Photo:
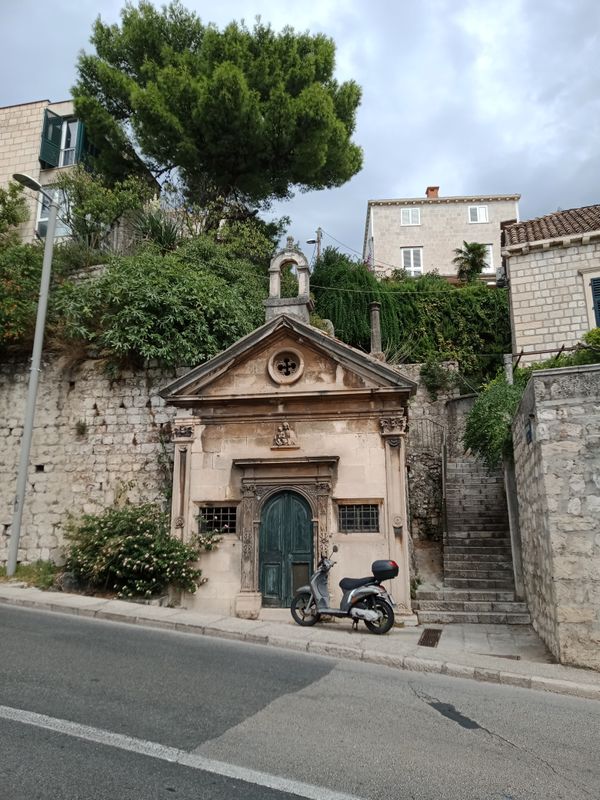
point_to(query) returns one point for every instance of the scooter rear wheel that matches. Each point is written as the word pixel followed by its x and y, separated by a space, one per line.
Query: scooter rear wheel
pixel 304 609
pixel 386 616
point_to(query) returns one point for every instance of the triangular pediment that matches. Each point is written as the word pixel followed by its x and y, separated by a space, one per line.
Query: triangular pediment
pixel 285 357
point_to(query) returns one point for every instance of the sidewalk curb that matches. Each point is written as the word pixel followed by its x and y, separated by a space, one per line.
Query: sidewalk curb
pixel 409 663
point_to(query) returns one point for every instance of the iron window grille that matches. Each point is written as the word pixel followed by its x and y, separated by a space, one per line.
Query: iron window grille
pixel 358 518
pixel 217 518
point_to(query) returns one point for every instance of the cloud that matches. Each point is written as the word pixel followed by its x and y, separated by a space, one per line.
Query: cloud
pixel 478 97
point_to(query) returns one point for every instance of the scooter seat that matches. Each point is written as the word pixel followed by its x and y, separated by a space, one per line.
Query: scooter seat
pixel 353 583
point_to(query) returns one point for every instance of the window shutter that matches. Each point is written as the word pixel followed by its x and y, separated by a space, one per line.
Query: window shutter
pixel 51 134
pixel 80 143
pixel 595 283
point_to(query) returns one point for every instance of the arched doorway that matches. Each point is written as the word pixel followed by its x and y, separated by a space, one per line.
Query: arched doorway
pixel 285 547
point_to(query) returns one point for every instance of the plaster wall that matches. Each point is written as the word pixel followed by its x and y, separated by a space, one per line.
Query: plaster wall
pixel 361 475
pixel 444 226
pixel 550 297
pixel 556 435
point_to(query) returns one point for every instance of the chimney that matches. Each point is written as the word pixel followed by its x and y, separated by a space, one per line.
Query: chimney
pixel 375 309
pixel 432 192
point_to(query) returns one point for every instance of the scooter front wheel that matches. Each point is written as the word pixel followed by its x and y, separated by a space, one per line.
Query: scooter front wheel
pixel 304 609
pixel 386 616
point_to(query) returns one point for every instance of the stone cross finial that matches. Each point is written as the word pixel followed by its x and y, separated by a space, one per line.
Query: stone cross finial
pixel 290 243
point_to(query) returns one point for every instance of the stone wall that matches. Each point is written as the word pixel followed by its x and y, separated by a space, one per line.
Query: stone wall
pixel 21 127
pixel 428 423
pixel 95 441
pixel 550 296
pixel 556 435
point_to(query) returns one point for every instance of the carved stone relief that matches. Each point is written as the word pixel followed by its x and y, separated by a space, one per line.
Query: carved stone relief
pixel 285 437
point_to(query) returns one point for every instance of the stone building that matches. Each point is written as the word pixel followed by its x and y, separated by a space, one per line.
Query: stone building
pixel 39 139
pixel 556 435
pixel 420 234
pixel 553 269
pixel 289 442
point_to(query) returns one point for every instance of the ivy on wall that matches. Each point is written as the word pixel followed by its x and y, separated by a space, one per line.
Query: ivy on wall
pixel 423 319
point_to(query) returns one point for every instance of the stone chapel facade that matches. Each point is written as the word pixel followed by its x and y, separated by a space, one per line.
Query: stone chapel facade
pixel 289 442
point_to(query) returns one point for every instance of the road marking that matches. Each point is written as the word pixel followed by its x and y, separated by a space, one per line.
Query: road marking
pixel 171 754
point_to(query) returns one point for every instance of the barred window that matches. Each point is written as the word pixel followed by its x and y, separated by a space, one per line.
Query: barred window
pixel 358 518
pixel 217 518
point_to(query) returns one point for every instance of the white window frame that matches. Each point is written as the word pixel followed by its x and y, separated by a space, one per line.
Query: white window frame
pixel 64 161
pixel 43 213
pixel 412 270
pixel 410 216
pixel 489 269
pixel 481 214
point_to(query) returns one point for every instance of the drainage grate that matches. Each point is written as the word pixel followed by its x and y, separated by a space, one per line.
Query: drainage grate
pixel 430 637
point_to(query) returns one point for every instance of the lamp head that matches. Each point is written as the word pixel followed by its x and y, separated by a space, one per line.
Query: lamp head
pixel 28 181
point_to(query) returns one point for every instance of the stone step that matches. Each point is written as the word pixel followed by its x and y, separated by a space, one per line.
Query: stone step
pixel 477 536
pixel 475 550
pixel 475 569
pixel 491 596
pixel 479 583
pixel 470 606
pixel 479 558
pixel 478 574
pixel 482 618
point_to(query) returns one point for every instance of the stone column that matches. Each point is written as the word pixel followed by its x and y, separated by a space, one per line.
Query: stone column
pixel 249 601
pixel 393 431
pixel 183 436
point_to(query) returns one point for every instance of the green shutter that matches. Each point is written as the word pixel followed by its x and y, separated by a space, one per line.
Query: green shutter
pixel 51 135
pixel 596 298
pixel 80 144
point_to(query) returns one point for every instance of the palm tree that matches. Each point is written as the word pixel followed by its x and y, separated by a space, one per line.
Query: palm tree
pixel 470 260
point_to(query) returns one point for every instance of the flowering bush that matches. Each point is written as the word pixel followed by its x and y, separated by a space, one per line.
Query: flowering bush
pixel 130 550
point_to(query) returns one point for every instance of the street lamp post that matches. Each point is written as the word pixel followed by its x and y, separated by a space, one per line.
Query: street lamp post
pixel 34 374
pixel 316 241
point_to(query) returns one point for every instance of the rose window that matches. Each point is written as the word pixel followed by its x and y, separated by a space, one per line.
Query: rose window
pixel 286 366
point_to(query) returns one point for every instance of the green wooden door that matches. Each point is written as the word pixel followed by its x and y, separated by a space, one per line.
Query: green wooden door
pixel 285 548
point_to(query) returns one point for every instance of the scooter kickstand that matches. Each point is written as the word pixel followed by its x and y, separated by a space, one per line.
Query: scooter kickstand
pixel 355 624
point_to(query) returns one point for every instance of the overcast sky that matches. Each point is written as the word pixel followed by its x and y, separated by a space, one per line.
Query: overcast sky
pixel 492 96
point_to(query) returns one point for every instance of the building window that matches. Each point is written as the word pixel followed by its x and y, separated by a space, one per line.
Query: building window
pixel 62 229
pixel 62 141
pixel 412 260
pixel 358 518
pixel 217 518
pixel 478 214
pixel 489 258
pixel 410 216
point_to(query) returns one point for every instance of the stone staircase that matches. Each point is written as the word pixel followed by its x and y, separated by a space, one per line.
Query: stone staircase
pixel 478 571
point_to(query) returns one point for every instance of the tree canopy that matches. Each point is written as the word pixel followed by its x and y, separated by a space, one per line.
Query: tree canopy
pixel 242 116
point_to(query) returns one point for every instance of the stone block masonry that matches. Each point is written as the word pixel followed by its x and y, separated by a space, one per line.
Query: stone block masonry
pixel 556 436
pixel 95 441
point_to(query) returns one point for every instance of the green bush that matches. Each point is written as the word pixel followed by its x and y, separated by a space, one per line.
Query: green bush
pixel 488 429
pixel 179 308
pixel 129 550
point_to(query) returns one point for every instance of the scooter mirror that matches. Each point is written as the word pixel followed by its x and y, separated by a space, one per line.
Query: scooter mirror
pixel 335 548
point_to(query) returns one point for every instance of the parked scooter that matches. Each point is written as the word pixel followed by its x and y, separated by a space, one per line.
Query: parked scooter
pixel 364 598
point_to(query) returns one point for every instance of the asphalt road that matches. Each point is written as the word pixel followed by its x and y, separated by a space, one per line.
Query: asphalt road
pixel 92 709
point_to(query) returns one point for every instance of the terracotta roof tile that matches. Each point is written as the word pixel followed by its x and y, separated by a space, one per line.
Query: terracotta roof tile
pixel 557 225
